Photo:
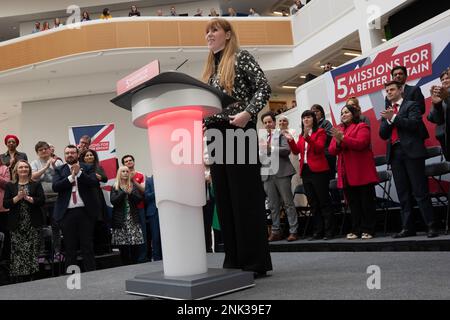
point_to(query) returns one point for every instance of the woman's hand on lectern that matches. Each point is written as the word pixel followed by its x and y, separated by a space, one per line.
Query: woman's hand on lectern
pixel 241 119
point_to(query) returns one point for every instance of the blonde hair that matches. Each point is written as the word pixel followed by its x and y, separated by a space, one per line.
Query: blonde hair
pixel 225 72
pixel 15 175
pixel 118 179
pixel 355 101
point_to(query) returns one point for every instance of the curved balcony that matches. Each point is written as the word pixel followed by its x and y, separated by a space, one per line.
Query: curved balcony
pixel 120 33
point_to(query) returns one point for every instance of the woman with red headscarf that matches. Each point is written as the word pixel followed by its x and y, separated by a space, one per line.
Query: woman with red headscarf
pixel 10 157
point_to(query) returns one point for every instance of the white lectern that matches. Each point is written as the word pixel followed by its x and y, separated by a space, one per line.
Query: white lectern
pixel 171 106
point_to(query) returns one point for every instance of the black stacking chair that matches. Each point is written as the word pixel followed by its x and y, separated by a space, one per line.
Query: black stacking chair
pixel 304 211
pixel 385 184
pixel 436 171
pixel 338 202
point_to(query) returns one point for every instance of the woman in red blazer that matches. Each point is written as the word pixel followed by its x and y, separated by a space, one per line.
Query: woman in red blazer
pixel 356 171
pixel 314 171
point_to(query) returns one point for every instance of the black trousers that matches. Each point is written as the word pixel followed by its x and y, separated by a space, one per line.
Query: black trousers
pixel 5 254
pixel 240 200
pixel 317 187
pixel 78 228
pixel 361 200
pixel 208 213
pixel 410 181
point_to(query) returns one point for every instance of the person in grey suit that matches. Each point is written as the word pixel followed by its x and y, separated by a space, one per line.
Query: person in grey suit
pixel 406 153
pixel 440 111
pixel 276 174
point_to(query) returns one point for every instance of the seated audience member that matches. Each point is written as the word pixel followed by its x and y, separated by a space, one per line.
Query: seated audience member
pixel 253 13
pixel 199 13
pixel 159 13
pixel 297 6
pixel 57 23
pixel 213 13
pixel 43 171
pixel 127 233
pixel 10 157
pixel 357 174
pixel 314 171
pixel 37 27
pixel 4 179
pixel 134 12
pixel 24 198
pixel 102 238
pixel 105 14
pixel 153 220
pixel 327 67
pixel 440 112
pixel 353 101
pixel 45 26
pixel 85 16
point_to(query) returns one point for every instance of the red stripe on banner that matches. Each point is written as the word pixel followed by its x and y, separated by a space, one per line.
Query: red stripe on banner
pixel 110 167
pixel 103 134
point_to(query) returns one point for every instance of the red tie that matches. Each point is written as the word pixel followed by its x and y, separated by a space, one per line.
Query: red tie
pixel 394 135
pixel 74 193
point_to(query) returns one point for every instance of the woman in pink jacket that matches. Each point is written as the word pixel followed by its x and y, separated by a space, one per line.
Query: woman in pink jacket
pixel 357 174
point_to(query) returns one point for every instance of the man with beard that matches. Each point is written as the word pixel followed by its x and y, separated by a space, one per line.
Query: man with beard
pixel 76 207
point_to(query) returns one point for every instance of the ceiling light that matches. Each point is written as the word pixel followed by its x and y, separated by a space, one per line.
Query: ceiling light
pixel 384 40
pixel 302 77
pixel 289 87
pixel 352 54
pixel 278 13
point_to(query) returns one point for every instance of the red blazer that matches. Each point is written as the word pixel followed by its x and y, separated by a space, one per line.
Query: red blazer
pixel 317 161
pixel 356 166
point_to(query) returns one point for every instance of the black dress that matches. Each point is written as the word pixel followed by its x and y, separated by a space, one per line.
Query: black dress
pixel 240 196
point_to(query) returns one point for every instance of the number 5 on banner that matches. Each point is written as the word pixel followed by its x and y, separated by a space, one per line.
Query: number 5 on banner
pixel 342 87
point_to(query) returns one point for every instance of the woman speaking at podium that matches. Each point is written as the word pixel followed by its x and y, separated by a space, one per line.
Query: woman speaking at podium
pixel 239 192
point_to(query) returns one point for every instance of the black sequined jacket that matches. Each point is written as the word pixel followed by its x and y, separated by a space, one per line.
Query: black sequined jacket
pixel 251 88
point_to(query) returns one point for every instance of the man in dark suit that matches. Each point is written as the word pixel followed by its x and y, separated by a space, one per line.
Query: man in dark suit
pixel 409 93
pixel 406 153
pixel 76 207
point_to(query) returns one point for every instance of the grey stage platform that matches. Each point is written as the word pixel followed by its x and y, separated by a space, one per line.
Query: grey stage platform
pixel 296 275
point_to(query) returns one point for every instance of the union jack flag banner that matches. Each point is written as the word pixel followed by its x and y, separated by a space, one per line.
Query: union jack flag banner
pixel 103 142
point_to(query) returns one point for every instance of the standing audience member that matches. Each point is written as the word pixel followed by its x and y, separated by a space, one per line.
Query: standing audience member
pixel 314 171
pixel 10 157
pixel 199 13
pixel 105 14
pixel 173 11
pixel 327 126
pixel 153 219
pixel 127 232
pixel 409 93
pixel 239 190
pixel 52 152
pixel 327 67
pixel 76 208
pixel 24 198
pixel 357 174
pixel 232 12
pixel 440 112
pixel 4 179
pixel 138 180
pixel 84 143
pixel 134 12
pixel 102 238
pixel 353 101
pixel 400 127
pixel 37 27
pixel 43 171
pixel 277 178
